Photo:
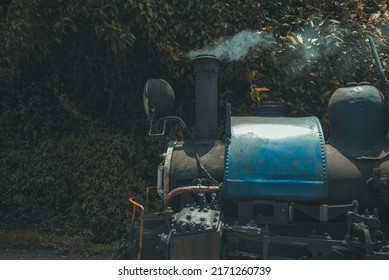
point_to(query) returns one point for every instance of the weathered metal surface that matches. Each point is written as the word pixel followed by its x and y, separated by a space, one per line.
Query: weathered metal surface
pixel 271 109
pixel 205 245
pixel 158 98
pixel 196 219
pixel 265 212
pixel 206 71
pixel 348 179
pixel 184 166
pixel 259 243
pixel 276 158
pixel 357 120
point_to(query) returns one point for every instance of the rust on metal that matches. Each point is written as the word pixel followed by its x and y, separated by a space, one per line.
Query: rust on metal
pixel 189 189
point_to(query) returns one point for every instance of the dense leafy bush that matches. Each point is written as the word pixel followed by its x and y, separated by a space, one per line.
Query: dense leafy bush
pixel 65 174
pixel 103 51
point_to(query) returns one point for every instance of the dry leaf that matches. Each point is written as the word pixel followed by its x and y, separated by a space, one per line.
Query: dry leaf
pixel 293 40
pixel 262 89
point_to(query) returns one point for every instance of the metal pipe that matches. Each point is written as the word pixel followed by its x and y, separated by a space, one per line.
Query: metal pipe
pixel 383 78
pixel 206 70
pixel 189 189
pixel 148 190
pixel 142 211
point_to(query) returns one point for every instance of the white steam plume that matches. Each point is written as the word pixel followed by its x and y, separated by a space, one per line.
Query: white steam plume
pixel 236 47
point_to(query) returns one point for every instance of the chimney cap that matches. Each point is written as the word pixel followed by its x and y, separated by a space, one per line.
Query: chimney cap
pixel 206 63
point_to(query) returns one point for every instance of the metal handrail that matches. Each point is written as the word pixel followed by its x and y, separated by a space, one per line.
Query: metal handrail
pixel 142 211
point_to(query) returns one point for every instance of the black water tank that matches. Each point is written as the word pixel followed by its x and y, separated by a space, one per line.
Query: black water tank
pixel 357 118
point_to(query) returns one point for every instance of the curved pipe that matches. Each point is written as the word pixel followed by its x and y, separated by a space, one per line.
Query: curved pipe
pixel 189 189
pixel 142 211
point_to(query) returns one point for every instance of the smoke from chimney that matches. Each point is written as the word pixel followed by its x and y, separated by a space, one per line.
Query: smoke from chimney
pixel 317 39
pixel 236 47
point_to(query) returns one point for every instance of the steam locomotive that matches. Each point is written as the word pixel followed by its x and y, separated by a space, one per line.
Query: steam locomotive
pixel 274 188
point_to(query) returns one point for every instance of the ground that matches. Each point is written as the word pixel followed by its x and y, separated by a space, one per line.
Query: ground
pixel 26 245
pixel 37 254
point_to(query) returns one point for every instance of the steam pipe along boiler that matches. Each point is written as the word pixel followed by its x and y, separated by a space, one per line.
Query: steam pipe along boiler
pixel 273 189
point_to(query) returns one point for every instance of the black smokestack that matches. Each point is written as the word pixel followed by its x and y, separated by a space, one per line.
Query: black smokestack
pixel 206 70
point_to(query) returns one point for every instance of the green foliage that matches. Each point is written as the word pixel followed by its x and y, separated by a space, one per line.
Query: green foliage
pixel 68 175
pixel 318 48
pixel 103 51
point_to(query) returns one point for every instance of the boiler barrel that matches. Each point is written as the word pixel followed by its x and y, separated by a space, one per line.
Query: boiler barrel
pixel 183 167
pixel 347 179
